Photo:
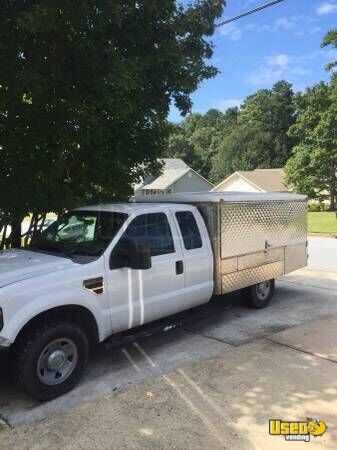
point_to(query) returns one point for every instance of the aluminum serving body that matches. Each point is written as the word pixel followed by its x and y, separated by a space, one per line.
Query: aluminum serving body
pixel 254 241
pixel 260 241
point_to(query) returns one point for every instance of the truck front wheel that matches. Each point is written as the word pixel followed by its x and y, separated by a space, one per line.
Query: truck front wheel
pixel 50 359
pixel 259 295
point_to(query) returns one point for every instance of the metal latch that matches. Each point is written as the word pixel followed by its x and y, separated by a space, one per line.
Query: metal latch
pixel 267 246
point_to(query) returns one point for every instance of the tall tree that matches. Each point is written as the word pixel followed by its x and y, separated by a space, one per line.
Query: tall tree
pixel 312 169
pixel 85 89
pixel 198 138
pixel 330 39
pixel 259 139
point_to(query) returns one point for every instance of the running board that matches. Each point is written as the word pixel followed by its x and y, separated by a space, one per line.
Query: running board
pixel 138 333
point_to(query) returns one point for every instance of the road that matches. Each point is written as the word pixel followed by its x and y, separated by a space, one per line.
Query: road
pixel 322 254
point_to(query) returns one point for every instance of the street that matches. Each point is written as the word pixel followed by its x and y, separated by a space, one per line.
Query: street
pixel 322 254
pixel 223 327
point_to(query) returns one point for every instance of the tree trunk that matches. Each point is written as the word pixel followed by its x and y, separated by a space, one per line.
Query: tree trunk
pixel 15 237
pixel 4 238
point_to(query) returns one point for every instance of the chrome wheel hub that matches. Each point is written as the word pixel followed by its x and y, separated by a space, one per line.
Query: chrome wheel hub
pixel 263 290
pixel 57 361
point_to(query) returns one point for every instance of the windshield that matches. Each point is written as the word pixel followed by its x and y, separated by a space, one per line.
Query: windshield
pixel 85 233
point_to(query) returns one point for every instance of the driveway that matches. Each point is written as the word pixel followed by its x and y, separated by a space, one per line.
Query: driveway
pixel 215 329
pixel 206 332
pixel 224 402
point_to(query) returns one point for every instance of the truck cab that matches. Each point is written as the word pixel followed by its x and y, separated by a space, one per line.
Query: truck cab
pixel 98 271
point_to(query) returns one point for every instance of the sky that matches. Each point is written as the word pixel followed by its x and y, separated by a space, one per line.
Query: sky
pixel 280 42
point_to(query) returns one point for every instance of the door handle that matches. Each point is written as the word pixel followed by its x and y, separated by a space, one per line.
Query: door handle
pixel 179 267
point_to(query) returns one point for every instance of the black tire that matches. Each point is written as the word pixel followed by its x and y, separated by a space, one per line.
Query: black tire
pixel 32 348
pixel 256 299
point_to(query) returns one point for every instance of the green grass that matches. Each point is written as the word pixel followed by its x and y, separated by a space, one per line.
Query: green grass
pixel 322 222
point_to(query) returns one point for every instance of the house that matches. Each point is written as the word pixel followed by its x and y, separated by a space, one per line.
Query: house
pixel 258 180
pixel 176 176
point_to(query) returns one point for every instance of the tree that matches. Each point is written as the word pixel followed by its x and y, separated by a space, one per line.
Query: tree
pixel 257 137
pixel 312 169
pixel 272 111
pixel 85 89
pixel 330 39
pixel 245 148
pixel 197 138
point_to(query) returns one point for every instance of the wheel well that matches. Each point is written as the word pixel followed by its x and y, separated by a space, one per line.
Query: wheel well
pixel 73 313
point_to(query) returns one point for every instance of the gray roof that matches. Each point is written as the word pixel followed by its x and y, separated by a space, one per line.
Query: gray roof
pixel 172 171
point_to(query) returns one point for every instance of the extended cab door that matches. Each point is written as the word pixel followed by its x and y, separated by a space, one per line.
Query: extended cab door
pixel 140 296
pixel 197 256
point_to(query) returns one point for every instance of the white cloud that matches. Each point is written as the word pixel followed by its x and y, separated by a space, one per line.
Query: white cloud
pixel 228 103
pixel 300 71
pixel 329 53
pixel 265 76
pixel 280 60
pixel 315 30
pixel 326 8
pixel 277 67
pixel 293 23
pixel 271 72
pixel 231 31
pixel 284 23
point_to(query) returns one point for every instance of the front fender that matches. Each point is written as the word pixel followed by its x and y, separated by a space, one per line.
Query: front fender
pixel 25 300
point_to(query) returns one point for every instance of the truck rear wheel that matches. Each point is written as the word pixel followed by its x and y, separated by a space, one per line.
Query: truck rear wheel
pixel 50 360
pixel 259 295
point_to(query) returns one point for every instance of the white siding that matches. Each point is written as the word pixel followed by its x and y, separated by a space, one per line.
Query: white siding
pixel 238 184
pixel 191 182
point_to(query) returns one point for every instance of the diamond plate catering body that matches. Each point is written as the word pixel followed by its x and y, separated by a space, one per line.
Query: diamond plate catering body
pixel 255 237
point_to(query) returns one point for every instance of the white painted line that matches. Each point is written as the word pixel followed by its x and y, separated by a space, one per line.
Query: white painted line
pixel 130 359
pixel 198 389
pixel 146 356
pixel 208 424
pixel 130 298
pixel 141 296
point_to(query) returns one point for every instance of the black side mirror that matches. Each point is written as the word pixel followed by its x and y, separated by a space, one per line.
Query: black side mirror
pixel 131 253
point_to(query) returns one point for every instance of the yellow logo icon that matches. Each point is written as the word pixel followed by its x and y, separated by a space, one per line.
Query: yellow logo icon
pixel 317 427
pixel 297 430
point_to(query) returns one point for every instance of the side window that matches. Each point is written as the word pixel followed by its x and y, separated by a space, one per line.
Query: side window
pixel 189 230
pixel 154 230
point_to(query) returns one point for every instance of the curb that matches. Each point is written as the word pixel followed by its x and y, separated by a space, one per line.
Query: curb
pixel 327 235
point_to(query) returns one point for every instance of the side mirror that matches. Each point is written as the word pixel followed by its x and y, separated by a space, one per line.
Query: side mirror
pixel 131 253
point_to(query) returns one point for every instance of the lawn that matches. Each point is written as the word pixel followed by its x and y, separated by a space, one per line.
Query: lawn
pixel 322 222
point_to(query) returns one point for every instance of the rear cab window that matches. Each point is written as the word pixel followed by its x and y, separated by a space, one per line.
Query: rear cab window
pixel 189 230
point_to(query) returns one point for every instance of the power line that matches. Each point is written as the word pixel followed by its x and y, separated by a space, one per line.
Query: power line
pixel 247 13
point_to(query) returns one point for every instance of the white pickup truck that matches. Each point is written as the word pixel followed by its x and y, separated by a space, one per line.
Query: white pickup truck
pixel 105 270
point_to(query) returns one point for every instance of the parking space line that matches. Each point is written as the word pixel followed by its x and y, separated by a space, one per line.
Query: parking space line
pixel 208 424
pixel 205 397
pixel 130 359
